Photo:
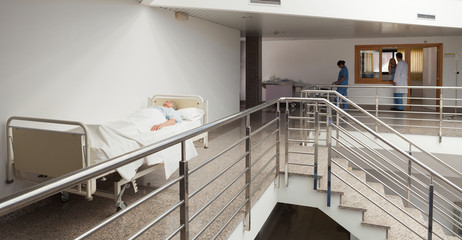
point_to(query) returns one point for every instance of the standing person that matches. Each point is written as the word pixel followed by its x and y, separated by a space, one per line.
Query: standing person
pixel 400 79
pixel 391 68
pixel 342 80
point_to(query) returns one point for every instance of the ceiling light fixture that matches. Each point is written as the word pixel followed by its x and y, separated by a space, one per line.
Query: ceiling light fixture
pixel 181 16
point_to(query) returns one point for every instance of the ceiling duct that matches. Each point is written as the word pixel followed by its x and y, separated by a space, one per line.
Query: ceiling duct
pixel 272 2
pixel 426 16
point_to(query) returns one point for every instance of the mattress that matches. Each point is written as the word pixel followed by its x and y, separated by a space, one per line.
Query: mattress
pixel 118 137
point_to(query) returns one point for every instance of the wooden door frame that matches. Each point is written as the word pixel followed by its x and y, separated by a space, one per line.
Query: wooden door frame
pixel 439 67
pixel 407 54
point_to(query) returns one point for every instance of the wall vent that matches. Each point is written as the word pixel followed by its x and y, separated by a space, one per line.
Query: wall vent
pixel 426 16
pixel 272 2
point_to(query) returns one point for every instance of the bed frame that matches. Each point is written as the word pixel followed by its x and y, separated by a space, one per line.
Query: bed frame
pixel 35 151
pixel 185 101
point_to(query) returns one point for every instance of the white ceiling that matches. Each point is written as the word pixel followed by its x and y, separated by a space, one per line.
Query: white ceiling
pixel 294 27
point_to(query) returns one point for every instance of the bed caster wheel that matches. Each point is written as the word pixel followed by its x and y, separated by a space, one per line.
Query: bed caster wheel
pixel 65 196
pixel 120 206
pixel 9 181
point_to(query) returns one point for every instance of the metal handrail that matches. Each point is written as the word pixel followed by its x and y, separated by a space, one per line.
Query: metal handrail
pixel 45 189
pixel 405 154
pixel 442 98
pixel 381 138
pixel 48 188
pixel 331 123
pixel 318 86
pixel 388 128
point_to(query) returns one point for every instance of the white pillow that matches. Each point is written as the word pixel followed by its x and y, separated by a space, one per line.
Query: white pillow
pixel 144 119
pixel 191 114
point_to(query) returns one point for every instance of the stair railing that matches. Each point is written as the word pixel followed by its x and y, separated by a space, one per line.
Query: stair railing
pixel 438 111
pixel 328 132
pixel 396 175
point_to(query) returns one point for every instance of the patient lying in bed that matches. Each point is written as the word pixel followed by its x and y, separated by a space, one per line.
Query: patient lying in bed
pixel 141 129
pixel 168 110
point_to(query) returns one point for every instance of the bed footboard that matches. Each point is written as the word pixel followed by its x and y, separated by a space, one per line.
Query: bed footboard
pixel 33 149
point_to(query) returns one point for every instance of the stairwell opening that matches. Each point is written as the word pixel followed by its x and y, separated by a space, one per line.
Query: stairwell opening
pixel 293 222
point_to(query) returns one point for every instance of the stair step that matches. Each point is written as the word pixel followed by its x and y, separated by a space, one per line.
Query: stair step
pixel 376 225
pixel 342 162
pixel 453 238
pixel 438 230
pixel 359 174
pixel 332 192
pixel 415 213
pixel 353 208
pixel 397 200
pixel 373 215
pixel 377 186
pixel 300 174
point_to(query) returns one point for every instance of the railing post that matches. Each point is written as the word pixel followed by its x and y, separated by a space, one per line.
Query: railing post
pixel 329 153
pixel 248 174
pixel 9 171
pixel 337 132
pixel 440 134
pixel 409 179
pixel 184 194
pixel 278 147
pixel 316 146
pixel 430 210
pixel 376 108
pixel 302 122
pixel 286 156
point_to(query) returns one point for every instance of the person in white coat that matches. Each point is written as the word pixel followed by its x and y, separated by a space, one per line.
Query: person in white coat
pixel 400 79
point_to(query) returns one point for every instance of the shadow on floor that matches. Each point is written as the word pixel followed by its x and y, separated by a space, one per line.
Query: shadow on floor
pixel 298 222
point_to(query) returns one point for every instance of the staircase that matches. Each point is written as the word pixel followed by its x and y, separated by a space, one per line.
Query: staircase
pixel 381 216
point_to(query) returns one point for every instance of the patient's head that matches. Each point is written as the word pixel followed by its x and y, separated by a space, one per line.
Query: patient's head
pixel 170 104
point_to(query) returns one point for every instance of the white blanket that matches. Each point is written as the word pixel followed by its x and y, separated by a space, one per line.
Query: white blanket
pixel 116 138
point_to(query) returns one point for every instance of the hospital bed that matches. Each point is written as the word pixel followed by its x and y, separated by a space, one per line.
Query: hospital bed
pixel 39 149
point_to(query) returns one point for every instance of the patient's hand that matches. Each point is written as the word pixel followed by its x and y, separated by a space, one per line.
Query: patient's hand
pixel 156 127
pixel 169 122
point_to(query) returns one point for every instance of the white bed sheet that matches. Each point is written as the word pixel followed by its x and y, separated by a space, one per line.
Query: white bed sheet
pixel 115 138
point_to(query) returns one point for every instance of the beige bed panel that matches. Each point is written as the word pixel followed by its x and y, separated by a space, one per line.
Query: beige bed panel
pixel 185 101
pixel 180 101
pixel 45 152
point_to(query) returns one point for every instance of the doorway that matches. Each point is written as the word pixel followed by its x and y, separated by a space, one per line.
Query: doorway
pixel 425 69
pixel 423 72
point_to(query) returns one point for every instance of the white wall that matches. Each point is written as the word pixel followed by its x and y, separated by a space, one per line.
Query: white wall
pixel 99 60
pixel 315 61
pixel 447 12
pixel 429 74
pixel 243 73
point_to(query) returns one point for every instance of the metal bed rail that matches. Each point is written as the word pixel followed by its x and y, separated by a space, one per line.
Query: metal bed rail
pixel 398 171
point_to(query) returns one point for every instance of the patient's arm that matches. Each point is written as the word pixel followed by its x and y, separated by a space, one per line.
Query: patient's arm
pixel 169 122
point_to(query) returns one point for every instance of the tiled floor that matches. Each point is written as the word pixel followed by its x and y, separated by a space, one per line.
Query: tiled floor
pixel 51 219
